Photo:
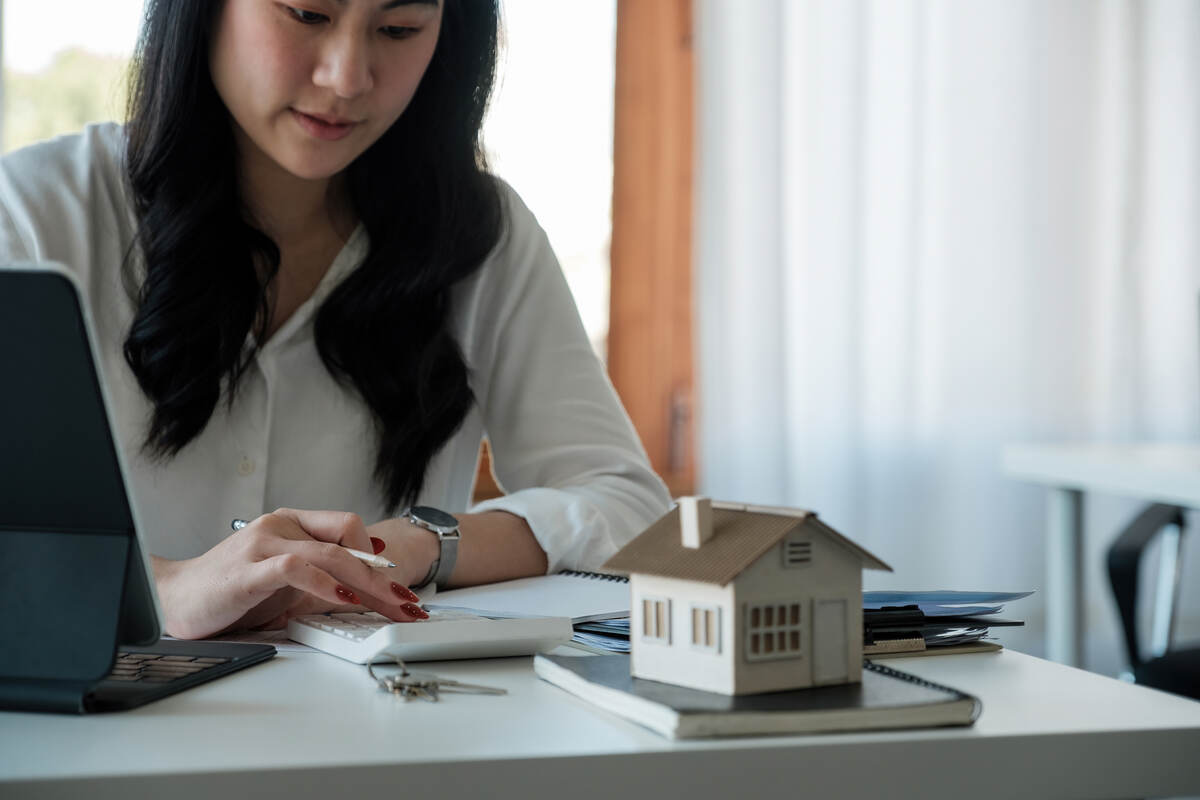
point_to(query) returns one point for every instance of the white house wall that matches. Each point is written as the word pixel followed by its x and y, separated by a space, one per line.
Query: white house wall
pixel 680 662
pixel 833 573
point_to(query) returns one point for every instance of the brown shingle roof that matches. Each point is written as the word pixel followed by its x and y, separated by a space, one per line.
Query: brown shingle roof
pixel 740 537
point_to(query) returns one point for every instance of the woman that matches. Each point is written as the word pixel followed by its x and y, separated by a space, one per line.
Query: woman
pixel 309 292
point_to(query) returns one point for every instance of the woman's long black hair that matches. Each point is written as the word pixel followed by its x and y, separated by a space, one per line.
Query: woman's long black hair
pixel 430 209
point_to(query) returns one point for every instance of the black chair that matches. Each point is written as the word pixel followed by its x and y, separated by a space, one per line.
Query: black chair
pixel 1172 670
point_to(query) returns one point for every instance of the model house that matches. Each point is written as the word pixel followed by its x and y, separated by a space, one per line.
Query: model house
pixel 742 599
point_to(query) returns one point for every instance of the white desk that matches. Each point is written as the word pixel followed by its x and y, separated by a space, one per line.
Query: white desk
pixel 1161 473
pixel 309 726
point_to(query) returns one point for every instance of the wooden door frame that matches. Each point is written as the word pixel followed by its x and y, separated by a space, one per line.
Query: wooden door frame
pixel 649 350
pixel 650 329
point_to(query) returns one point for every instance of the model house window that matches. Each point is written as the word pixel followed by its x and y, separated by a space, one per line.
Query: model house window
pixel 797 552
pixel 774 631
pixel 656 619
pixel 706 628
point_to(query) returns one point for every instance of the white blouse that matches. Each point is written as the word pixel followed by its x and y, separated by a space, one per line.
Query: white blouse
pixel 563 448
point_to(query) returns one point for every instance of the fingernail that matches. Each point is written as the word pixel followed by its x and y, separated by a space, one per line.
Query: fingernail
pixel 405 594
pixel 414 610
pixel 347 595
pixel 377 545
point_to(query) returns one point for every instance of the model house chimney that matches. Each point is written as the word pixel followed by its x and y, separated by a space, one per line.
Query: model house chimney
pixel 695 521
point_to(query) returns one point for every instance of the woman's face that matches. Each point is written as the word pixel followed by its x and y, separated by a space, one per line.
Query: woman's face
pixel 312 84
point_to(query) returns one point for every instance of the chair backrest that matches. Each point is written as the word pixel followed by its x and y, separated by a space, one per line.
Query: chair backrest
pixel 1124 559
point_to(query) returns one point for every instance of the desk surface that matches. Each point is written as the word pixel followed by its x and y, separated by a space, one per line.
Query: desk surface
pixel 309 725
pixel 1165 473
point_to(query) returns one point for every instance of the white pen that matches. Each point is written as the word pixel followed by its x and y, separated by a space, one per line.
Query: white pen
pixel 370 559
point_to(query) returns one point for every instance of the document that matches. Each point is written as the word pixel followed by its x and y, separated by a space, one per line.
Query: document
pixel 942 603
pixel 581 596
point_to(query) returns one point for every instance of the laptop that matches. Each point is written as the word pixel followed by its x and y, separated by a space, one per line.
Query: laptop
pixel 82 624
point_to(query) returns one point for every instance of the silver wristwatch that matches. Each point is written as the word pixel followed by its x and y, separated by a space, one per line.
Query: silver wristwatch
pixel 446 528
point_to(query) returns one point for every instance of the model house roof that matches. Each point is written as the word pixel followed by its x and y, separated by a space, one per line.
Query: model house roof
pixel 740 535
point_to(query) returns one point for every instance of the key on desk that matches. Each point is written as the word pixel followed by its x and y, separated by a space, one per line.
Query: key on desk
pixel 426 685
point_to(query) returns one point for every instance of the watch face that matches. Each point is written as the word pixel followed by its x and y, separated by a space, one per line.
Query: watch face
pixel 435 517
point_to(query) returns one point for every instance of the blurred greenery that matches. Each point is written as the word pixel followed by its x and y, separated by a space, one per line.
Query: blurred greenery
pixel 76 88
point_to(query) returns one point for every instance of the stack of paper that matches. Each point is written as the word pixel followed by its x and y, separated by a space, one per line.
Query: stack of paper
pixel 894 623
pixel 917 623
pixel 607 636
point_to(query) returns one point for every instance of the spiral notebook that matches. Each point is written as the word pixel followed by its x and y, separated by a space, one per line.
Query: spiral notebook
pixel 886 699
pixel 582 596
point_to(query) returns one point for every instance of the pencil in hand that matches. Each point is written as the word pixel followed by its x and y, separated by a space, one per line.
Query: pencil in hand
pixel 369 558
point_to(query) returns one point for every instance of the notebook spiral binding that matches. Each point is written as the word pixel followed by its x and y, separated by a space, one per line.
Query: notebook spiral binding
pixel 596 576
pixel 908 676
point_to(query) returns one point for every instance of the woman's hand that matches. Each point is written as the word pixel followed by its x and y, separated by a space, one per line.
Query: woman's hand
pixel 280 565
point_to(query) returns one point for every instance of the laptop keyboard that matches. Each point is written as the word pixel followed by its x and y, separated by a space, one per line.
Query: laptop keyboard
pixel 158 668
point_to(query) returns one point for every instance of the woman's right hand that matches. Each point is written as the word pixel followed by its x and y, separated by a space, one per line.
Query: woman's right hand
pixel 281 564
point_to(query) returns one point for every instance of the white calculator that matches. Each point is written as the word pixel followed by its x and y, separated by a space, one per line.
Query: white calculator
pixel 368 636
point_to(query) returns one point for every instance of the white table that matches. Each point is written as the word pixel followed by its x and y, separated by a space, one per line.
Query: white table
pixel 1162 473
pixel 306 725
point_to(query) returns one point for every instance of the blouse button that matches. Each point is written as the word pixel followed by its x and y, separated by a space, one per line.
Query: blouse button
pixel 246 467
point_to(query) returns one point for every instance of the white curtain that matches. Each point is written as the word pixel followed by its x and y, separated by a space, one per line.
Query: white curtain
pixel 926 230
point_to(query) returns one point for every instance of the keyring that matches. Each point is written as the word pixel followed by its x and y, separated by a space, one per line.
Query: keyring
pixel 389 682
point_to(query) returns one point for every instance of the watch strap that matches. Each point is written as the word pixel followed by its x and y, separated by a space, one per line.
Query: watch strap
pixel 448 538
pixel 429 576
pixel 445 562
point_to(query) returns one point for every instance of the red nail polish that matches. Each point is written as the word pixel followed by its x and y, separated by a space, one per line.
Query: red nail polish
pixel 405 594
pixel 414 610
pixel 377 545
pixel 347 595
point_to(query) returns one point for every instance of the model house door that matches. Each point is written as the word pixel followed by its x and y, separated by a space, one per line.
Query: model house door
pixel 830 662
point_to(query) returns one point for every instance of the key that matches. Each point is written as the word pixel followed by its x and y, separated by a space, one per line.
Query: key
pixel 426 685
pixel 410 686
pixel 448 685
pixel 414 690
pixel 404 685
pixel 424 691
pixel 433 683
